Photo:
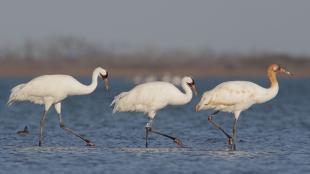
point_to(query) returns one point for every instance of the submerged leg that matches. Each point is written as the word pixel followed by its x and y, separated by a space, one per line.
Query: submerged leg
pixel 41 128
pixel 210 119
pixel 148 128
pixel 48 104
pixel 233 147
pixel 62 125
pixel 176 140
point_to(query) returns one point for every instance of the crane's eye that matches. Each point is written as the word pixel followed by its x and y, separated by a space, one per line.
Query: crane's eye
pixel 191 84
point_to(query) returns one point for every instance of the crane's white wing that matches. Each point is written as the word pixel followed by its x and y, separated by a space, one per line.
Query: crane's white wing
pixel 232 94
pixel 52 87
pixel 146 97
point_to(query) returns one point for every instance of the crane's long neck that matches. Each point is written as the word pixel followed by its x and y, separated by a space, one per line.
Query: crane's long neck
pixel 87 89
pixel 273 79
pixel 185 97
pixel 272 91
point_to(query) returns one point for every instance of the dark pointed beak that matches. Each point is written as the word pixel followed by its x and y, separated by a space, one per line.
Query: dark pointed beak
pixel 285 71
pixel 194 89
pixel 106 84
pixel 106 81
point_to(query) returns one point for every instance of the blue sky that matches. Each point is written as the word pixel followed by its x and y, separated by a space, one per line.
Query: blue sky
pixel 222 25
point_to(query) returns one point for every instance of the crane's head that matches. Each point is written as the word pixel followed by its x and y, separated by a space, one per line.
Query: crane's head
pixel 191 83
pixel 104 75
pixel 278 68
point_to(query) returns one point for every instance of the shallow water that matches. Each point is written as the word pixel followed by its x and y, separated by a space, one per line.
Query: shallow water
pixel 272 138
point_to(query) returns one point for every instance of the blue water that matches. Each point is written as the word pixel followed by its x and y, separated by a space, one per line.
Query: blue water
pixel 272 138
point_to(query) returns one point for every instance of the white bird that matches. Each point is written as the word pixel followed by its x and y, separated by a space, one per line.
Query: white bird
pixel 151 97
pixel 50 90
pixel 237 96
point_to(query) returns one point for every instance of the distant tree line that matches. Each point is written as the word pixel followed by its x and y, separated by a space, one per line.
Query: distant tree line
pixel 75 50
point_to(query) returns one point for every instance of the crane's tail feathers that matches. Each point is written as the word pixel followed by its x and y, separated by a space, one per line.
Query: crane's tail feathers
pixel 113 102
pixel 9 103
pixel 116 100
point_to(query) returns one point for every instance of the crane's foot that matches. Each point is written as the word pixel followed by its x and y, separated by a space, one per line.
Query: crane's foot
pixel 233 147
pixel 230 142
pixel 88 143
pixel 178 142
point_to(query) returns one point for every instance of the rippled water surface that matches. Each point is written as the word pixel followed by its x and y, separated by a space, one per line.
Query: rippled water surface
pixel 272 138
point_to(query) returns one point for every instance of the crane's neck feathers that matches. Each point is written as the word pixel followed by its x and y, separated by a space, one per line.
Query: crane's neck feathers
pixel 87 89
pixel 273 78
pixel 188 93
pixel 182 98
pixel 272 91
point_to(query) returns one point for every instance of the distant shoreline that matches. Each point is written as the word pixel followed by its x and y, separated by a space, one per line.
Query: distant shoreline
pixel 76 57
pixel 32 70
pixel 130 66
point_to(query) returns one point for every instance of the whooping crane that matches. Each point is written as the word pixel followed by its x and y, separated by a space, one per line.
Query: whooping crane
pixel 237 96
pixel 151 97
pixel 51 90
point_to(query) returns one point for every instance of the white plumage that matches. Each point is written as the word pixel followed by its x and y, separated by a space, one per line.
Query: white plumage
pixel 52 89
pixel 48 89
pixel 153 96
pixel 237 96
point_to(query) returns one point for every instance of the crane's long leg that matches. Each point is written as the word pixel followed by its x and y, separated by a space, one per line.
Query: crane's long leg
pixel 47 106
pixel 146 137
pixel 174 139
pixel 234 135
pixel 62 125
pixel 42 127
pixel 148 128
pixel 219 127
